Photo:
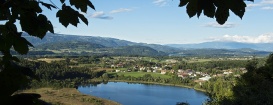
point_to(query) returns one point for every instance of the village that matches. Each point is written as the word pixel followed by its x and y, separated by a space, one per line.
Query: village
pixel 173 67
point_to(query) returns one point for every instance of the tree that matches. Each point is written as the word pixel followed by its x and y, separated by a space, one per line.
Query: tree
pixel 255 87
pixel 29 15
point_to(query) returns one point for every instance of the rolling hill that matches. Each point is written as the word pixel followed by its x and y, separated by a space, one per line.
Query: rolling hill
pixel 225 45
pixel 86 45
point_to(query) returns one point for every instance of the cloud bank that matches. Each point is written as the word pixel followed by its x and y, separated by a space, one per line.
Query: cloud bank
pixel 101 15
pixel 216 25
pixel 120 10
pixel 264 5
pixel 267 8
pixel 160 3
pixel 264 38
pixel 267 2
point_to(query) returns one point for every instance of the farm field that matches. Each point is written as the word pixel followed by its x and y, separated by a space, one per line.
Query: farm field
pixel 140 74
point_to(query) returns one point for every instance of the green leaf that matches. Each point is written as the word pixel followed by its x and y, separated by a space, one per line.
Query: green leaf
pixel 21 45
pixel 2 43
pixel 79 4
pixel 34 5
pixel 192 8
pixel 183 3
pixel 222 15
pixel 89 3
pixel 68 16
pixel 83 19
pixel 62 1
pixel 15 59
pixel 209 8
pixel 4 13
pixel 237 7
pixel 82 4
pixel 49 6
pixel 50 27
pixel 11 27
pixel 62 18
pixel 35 25
pixel 200 7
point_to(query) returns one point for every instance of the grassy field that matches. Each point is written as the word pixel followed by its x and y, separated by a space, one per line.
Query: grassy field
pixel 48 60
pixel 140 74
pixel 200 60
pixel 68 96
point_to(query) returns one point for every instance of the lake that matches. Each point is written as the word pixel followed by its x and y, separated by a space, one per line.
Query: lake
pixel 144 94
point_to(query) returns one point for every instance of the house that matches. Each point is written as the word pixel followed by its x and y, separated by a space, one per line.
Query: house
pixel 206 78
pixel 183 75
pixel 180 70
pixel 198 72
pixel 163 72
pixel 119 65
pixel 172 71
pixel 142 68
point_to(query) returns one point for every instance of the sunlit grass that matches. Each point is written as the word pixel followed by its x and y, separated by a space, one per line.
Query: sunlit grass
pixel 140 74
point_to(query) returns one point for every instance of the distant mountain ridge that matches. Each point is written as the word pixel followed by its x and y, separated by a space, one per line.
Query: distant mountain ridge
pixel 107 42
pixel 225 45
pixel 85 45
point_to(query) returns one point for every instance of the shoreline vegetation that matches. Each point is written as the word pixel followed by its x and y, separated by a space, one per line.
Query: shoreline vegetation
pixel 154 83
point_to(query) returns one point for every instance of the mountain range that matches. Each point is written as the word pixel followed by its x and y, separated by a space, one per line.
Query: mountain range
pixel 77 44
pixel 226 45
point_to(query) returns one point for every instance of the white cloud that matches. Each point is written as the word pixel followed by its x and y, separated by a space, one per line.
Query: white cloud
pixel 101 15
pixel 120 10
pixel 264 4
pixel 264 38
pixel 267 8
pixel 160 2
pixel 267 2
pixel 216 25
pixel 253 5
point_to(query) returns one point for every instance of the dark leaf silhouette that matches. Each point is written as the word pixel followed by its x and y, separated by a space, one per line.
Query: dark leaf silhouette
pixel 221 15
pixel 49 6
pixel 192 8
pixel 214 8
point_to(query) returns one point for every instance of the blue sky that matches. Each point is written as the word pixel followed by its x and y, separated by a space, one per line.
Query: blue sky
pixel 163 22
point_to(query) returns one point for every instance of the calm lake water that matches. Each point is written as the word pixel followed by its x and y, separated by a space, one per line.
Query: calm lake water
pixel 144 94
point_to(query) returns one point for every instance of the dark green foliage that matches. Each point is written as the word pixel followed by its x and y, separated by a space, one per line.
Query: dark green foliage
pixel 32 21
pixel 28 14
pixel 58 74
pixel 70 16
pixel 255 87
pixel 214 8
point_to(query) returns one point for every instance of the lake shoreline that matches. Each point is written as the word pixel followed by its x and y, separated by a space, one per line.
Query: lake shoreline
pixel 111 90
pixel 155 83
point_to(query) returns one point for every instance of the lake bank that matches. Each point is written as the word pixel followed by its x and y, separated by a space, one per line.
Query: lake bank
pixel 183 86
pixel 68 96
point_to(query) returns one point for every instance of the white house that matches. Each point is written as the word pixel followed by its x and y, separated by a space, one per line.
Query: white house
pixel 206 78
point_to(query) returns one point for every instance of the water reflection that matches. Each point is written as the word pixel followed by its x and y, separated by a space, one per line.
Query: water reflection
pixel 144 94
